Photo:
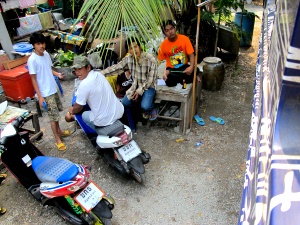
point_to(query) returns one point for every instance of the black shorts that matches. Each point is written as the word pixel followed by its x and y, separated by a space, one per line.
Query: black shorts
pixel 177 76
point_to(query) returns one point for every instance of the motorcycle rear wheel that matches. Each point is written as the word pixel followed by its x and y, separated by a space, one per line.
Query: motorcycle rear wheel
pixel 105 221
pixel 103 211
pixel 139 177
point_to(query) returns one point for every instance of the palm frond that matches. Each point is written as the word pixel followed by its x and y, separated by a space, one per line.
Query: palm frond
pixel 106 18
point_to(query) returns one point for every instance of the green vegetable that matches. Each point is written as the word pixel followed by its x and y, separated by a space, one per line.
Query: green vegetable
pixel 64 59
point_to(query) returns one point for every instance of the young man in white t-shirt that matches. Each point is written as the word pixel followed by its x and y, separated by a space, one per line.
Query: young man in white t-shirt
pixel 40 69
pixel 96 91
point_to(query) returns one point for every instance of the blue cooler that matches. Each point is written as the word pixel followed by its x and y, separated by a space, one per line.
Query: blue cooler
pixel 23 47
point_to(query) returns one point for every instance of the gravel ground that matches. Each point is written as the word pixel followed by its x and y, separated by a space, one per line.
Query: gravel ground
pixel 184 184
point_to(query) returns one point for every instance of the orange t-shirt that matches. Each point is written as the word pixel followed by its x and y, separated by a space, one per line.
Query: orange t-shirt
pixel 175 53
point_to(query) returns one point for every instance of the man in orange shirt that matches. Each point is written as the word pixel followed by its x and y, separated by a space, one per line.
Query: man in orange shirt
pixel 177 50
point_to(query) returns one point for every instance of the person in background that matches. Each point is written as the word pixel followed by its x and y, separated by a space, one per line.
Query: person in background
pixel 40 70
pixel 177 50
pixel 143 69
pixel 124 82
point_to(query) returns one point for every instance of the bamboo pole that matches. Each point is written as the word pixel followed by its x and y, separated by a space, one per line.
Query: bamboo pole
pixel 196 57
pixel 195 66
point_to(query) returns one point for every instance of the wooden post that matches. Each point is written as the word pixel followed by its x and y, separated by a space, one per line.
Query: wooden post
pixel 195 67
pixel 196 57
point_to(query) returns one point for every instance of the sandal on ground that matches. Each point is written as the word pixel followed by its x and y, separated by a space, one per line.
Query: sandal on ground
pixel 218 120
pixel 66 133
pixel 199 120
pixel 2 210
pixel 2 178
pixel 145 115
pixel 61 146
pixel 153 114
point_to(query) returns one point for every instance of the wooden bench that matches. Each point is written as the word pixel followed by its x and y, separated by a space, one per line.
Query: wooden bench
pixel 184 97
pixel 12 112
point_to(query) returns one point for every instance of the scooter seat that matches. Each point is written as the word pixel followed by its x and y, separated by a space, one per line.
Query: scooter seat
pixel 52 169
pixel 111 130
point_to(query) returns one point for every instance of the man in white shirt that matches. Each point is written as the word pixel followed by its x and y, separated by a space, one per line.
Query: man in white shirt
pixel 40 69
pixel 95 90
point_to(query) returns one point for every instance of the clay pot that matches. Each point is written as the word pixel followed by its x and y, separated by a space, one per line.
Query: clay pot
pixel 213 73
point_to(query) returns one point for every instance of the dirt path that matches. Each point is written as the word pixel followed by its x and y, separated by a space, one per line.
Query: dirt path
pixel 185 184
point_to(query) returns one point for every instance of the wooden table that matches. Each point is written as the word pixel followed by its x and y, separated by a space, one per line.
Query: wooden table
pixel 184 97
pixel 12 112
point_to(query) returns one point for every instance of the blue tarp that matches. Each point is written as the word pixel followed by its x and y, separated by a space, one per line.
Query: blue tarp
pixel 271 192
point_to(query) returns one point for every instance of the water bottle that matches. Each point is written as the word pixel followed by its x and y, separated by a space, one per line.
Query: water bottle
pixel 28 99
pixel 45 106
pixel 183 84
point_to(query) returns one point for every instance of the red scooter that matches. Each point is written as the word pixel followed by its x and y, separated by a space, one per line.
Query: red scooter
pixel 54 181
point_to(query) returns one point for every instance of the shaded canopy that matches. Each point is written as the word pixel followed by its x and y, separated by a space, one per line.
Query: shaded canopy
pixel 106 18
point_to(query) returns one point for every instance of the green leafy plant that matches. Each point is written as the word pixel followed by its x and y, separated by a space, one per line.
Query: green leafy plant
pixel 250 15
pixel 237 30
pixel 63 59
pixel 223 13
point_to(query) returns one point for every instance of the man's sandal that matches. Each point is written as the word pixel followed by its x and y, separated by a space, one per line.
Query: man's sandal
pixel 2 178
pixel 218 120
pixel 2 210
pixel 61 146
pixel 145 115
pixel 153 114
pixel 66 133
pixel 199 120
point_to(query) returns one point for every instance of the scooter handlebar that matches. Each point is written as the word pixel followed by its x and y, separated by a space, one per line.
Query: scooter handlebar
pixel 17 122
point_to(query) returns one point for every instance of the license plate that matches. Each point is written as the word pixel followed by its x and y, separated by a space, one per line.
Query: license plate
pixel 89 197
pixel 129 151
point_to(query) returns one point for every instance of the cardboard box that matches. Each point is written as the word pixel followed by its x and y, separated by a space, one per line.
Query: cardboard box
pixel 3 58
pixel 14 63
pixel 16 83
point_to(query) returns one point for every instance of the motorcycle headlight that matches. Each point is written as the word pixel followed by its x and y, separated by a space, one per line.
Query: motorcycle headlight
pixel 74 188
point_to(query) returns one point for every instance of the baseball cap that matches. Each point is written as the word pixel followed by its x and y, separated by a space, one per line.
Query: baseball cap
pixel 80 61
